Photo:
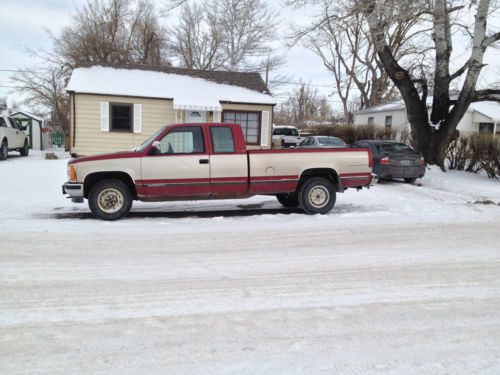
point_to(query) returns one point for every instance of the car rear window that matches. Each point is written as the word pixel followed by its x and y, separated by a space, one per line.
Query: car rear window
pixel 393 147
pixel 331 141
pixel 286 131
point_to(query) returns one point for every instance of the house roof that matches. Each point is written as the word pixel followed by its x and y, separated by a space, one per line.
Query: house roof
pixel 14 112
pixel 488 109
pixel 189 88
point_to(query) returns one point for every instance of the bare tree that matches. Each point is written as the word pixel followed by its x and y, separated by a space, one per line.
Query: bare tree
pixel 433 134
pixel 44 89
pixel 303 103
pixel 225 35
pixel 112 31
pixel 340 37
pixel 196 40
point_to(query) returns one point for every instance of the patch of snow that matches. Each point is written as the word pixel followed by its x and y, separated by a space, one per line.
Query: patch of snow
pixel 396 279
pixel 187 92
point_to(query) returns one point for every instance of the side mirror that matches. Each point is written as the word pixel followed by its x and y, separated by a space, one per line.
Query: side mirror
pixel 155 148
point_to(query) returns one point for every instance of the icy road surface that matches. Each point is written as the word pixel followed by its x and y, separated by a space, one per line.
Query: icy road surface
pixel 397 279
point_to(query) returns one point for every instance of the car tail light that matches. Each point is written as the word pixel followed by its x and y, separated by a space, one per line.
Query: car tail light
pixel 421 161
pixel 385 160
pixel 370 158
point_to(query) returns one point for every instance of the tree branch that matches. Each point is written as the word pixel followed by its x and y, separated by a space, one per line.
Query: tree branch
pixel 488 41
pixel 460 71
pixel 486 95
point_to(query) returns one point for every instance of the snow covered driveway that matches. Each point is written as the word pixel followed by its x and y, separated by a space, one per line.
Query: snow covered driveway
pixel 397 279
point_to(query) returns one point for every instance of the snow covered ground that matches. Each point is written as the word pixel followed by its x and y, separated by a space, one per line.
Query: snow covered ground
pixel 396 279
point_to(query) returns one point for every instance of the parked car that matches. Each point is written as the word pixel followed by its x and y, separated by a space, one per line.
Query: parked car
pixel 322 142
pixel 12 138
pixel 285 136
pixel 202 161
pixel 394 160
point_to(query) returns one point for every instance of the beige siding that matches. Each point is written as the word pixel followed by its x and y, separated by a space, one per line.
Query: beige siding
pixel 258 108
pixel 89 139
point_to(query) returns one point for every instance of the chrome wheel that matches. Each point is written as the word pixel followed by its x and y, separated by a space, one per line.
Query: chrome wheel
pixel 319 196
pixel 110 200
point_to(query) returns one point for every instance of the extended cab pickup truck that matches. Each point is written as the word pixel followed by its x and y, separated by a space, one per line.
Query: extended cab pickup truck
pixel 211 161
pixel 12 138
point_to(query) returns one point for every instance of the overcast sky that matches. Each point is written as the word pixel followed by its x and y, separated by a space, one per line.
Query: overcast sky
pixel 23 23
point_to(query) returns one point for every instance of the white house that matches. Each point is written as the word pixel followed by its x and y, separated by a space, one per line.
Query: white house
pixel 481 117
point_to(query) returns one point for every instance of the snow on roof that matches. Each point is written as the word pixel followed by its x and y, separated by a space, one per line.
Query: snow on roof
pixel 488 109
pixel 14 112
pixel 186 91
pixel 392 106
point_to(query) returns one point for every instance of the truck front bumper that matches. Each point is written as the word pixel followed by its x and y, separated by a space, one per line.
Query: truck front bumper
pixel 74 190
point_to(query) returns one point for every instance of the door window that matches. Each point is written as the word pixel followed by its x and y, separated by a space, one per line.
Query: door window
pixel 183 140
pixel 222 139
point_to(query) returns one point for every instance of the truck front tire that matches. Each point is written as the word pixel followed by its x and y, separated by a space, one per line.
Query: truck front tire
pixel 317 196
pixel 110 199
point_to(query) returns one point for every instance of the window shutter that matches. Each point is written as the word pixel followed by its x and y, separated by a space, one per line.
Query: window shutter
pixel 264 129
pixel 137 118
pixel 105 116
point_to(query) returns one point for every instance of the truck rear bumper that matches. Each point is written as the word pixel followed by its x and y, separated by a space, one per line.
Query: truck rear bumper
pixel 74 190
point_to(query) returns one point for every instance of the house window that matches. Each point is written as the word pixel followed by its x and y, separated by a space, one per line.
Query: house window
pixel 121 117
pixel 371 120
pixel 486 127
pixel 388 122
pixel 249 121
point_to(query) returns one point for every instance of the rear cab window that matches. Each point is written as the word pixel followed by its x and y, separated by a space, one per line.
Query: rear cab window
pixel 222 139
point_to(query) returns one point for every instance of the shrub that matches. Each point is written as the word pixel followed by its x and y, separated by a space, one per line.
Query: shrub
pixel 351 133
pixel 475 152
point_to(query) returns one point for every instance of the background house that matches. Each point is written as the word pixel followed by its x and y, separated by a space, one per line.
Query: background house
pixel 118 107
pixel 481 117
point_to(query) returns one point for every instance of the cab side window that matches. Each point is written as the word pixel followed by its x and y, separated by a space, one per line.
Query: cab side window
pixel 222 139
pixel 3 124
pixel 183 140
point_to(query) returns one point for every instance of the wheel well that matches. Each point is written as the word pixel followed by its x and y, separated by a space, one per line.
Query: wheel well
pixel 5 140
pixel 328 173
pixel 94 178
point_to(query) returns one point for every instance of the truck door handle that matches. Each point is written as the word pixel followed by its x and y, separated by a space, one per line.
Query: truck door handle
pixel 203 161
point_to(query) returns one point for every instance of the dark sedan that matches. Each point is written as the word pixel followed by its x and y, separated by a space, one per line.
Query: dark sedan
pixel 394 160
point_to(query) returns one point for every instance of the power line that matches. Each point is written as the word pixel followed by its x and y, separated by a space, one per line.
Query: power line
pixel 301 83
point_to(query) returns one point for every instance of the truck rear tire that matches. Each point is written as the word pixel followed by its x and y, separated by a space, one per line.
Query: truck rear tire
pixel 4 151
pixel 288 200
pixel 110 199
pixel 317 196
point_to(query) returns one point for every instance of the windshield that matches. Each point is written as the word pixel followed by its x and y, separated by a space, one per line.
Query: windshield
pixel 149 140
pixel 331 141
pixel 286 131
pixel 393 147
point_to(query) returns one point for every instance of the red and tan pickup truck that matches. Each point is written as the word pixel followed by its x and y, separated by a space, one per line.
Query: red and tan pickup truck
pixel 211 161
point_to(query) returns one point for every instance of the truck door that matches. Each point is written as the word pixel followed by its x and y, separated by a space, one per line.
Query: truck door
pixel 181 166
pixel 228 161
